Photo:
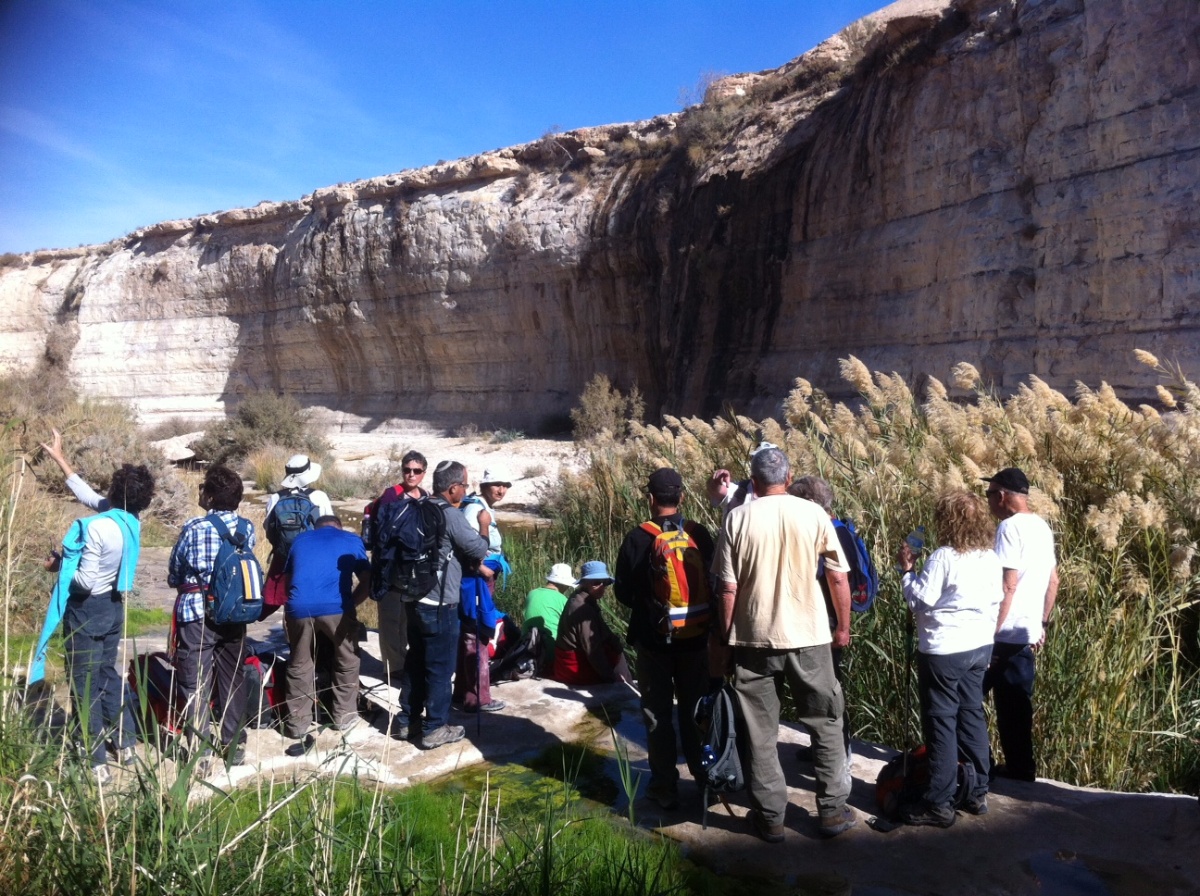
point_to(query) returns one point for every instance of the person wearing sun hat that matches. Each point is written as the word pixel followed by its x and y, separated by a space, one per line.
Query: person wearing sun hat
pixel 478 507
pixel 544 608
pixel 299 473
pixel 587 650
pixel 1025 545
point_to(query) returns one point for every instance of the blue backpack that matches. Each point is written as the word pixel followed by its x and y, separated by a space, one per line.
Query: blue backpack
pixel 292 514
pixel 864 580
pixel 234 596
pixel 406 544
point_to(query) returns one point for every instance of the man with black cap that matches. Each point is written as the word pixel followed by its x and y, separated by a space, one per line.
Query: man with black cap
pixel 662 577
pixel 1025 545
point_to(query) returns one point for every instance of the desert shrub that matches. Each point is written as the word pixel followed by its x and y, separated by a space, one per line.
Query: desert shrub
pixel 1117 680
pixel 174 426
pixel 261 418
pixel 602 408
pixel 504 436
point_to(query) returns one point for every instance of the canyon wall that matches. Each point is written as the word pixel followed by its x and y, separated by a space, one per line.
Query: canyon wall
pixel 1010 183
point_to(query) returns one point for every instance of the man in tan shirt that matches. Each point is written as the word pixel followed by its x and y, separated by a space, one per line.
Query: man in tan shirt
pixel 772 619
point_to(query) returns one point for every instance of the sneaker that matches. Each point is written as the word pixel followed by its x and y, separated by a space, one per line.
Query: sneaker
pixel 447 734
pixel 976 806
pixel 772 833
pixel 235 754
pixel 102 774
pixel 921 814
pixel 666 796
pixel 356 730
pixel 127 756
pixel 494 706
pixel 302 747
pixel 838 823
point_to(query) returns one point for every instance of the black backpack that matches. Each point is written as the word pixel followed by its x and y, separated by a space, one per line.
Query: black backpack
pixel 406 536
pixel 292 514
pixel 717 719
pixel 234 596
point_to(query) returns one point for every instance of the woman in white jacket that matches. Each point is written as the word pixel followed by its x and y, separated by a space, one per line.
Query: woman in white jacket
pixel 955 601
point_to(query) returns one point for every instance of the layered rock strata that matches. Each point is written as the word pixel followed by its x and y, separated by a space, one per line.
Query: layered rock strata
pixel 1011 183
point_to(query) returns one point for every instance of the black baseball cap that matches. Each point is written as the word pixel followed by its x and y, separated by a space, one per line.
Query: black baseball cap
pixel 1010 479
pixel 664 481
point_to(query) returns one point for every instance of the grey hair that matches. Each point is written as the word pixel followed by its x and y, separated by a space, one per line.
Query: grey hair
pixel 448 473
pixel 815 489
pixel 769 467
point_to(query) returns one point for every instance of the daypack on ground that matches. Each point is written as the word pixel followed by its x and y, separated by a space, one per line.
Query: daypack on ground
pixel 406 536
pixel 517 655
pixel 900 783
pixel 292 514
pixel 717 721
pixel 864 580
pixel 679 581
pixel 235 594
pixel 158 704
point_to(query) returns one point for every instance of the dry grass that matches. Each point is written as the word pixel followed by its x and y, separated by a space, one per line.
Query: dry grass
pixel 1117 681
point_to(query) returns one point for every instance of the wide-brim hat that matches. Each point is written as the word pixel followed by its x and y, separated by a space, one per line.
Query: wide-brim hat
pixel 496 476
pixel 595 571
pixel 560 574
pixel 300 472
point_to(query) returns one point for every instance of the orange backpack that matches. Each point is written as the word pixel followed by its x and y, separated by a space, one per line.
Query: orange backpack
pixel 679 582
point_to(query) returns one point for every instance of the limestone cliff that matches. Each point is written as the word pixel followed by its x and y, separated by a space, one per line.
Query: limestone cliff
pixel 1011 182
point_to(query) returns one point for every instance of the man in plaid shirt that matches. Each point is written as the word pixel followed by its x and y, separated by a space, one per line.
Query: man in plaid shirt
pixel 208 657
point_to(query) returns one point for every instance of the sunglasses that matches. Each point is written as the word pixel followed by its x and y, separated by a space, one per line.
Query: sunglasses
pixel 413 471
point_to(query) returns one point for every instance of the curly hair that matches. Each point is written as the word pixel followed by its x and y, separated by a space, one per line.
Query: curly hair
pixel 222 487
pixel 131 488
pixel 963 521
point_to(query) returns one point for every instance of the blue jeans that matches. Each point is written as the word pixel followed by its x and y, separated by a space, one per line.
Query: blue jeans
pixel 432 642
pixel 92 628
pixel 951 689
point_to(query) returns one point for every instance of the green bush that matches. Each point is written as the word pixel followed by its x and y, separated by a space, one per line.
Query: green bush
pixel 261 418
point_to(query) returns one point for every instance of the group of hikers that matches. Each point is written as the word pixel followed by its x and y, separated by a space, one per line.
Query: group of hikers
pixel 769 601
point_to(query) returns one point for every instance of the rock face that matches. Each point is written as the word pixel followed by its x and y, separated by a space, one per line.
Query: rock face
pixel 1010 183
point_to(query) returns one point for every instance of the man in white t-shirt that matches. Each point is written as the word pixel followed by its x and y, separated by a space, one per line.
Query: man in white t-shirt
pixel 1025 546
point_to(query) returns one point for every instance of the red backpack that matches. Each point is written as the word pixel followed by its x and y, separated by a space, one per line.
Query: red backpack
pixel 679 582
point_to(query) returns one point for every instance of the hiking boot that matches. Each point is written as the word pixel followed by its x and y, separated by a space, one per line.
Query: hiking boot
pixel 356 730
pixel 447 734
pixel 838 823
pixel 976 806
pixel 665 796
pixel 922 814
pixel 772 833
pixel 302 747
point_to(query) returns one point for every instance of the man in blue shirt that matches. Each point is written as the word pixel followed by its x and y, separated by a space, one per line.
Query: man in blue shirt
pixel 322 598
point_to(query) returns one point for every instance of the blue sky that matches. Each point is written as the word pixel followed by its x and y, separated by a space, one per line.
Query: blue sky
pixel 115 115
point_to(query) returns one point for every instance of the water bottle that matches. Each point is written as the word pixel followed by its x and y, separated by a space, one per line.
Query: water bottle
pixel 707 756
pixel 916 540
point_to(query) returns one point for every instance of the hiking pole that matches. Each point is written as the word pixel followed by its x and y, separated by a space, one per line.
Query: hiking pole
pixel 479 662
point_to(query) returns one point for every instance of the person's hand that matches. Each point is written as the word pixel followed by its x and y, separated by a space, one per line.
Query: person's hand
pixel 53 561
pixel 841 637
pixel 718 486
pixel 487 572
pixel 905 558
pixel 55 450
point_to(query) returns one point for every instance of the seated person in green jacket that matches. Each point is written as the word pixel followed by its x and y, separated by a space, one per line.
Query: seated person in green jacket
pixel 544 607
